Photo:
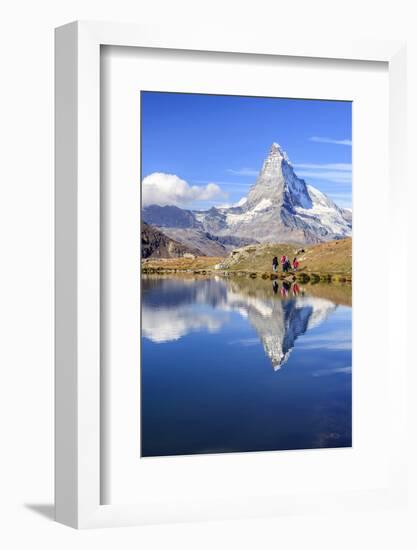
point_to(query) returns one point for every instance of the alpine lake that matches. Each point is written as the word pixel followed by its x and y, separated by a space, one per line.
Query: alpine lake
pixel 238 365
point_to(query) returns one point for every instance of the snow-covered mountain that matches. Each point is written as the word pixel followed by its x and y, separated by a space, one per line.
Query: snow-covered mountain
pixel 280 207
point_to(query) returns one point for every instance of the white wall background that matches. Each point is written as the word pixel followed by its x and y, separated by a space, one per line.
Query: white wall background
pixel 26 272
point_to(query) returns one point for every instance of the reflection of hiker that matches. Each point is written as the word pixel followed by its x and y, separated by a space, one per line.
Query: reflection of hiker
pixel 295 289
pixel 285 288
pixel 275 286
pixel 275 264
pixel 295 264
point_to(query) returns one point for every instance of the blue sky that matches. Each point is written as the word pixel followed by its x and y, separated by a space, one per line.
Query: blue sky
pixel 212 147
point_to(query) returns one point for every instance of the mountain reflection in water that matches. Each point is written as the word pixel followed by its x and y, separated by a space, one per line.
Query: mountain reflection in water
pixel 280 312
pixel 207 348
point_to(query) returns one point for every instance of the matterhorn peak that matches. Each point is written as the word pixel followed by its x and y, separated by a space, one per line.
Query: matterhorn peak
pixel 272 163
pixel 279 207
pixel 277 182
pixel 277 151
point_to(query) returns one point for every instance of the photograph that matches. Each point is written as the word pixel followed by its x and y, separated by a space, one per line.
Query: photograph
pixel 245 274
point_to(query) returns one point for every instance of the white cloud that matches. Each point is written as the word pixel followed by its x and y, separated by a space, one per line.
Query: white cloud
pixel 345 167
pixel 333 176
pixel 246 342
pixel 332 172
pixel 336 370
pixel 224 183
pixel 164 324
pixel 338 340
pixel 318 139
pixel 169 189
pixel 243 172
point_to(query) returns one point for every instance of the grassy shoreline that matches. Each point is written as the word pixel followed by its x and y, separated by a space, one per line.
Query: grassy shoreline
pixel 327 262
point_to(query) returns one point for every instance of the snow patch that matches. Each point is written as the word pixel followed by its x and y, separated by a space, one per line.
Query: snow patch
pixel 225 206
pixel 247 216
pixel 262 205
pixel 242 201
pixel 324 212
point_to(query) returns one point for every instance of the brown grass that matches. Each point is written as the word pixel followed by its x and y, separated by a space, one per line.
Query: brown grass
pixel 181 264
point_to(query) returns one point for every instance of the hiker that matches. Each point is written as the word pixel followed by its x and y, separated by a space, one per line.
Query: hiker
pixel 287 266
pixel 283 260
pixel 275 264
pixel 295 264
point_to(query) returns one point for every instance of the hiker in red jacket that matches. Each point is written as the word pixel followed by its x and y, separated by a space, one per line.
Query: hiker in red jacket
pixel 283 262
pixel 295 264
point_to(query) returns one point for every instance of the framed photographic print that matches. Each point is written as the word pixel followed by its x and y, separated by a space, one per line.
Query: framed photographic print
pixel 250 298
pixel 224 345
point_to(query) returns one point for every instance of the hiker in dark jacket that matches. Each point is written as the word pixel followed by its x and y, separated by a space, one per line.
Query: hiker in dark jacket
pixel 275 264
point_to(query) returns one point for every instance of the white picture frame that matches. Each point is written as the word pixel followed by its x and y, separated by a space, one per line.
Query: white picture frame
pixel 78 259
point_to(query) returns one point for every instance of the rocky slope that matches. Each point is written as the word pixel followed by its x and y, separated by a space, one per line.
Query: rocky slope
pixel 198 239
pixel 208 244
pixel 184 227
pixel 156 244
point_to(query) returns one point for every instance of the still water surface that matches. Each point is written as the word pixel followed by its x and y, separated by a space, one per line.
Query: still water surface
pixel 242 365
